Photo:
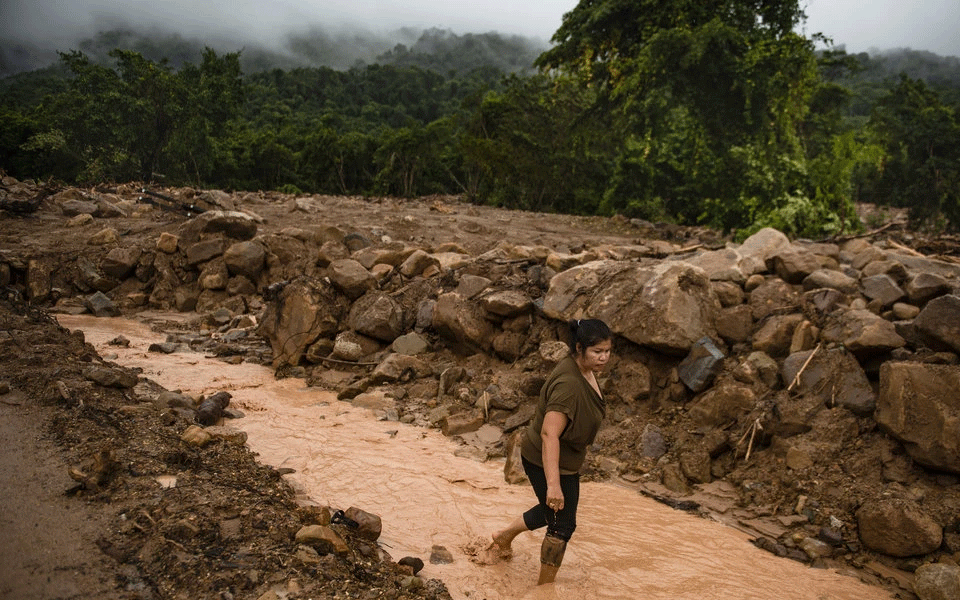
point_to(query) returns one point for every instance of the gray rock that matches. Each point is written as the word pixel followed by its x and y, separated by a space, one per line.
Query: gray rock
pixel 101 306
pixel 723 265
pixel 729 294
pixel 400 367
pixel 883 289
pixel 72 208
pixel 735 324
pixel 109 377
pixel 701 365
pixel 893 268
pixel 765 367
pixel 761 247
pixel 410 344
pixel 632 382
pixel 724 402
pixel 214 275
pixel 695 465
pixel 417 263
pixel 818 303
pixel 232 224
pixel 509 345
pixel 471 285
pixel 205 250
pixel 305 310
pixel 440 556
pixel 793 266
pixel 923 287
pixel 652 443
pixel 773 296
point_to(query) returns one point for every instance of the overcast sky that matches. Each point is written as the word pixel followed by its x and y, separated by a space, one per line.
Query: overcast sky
pixel 860 25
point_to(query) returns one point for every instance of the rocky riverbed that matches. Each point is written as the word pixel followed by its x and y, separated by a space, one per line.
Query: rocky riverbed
pixel 803 391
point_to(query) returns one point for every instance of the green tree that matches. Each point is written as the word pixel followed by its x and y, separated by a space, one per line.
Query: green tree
pixel 700 92
pixel 922 140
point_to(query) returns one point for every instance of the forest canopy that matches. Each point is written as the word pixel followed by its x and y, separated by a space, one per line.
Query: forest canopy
pixel 713 112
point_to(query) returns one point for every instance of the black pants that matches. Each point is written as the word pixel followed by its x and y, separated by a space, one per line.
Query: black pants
pixel 559 524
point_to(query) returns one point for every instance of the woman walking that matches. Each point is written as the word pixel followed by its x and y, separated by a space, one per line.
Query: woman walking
pixel 554 445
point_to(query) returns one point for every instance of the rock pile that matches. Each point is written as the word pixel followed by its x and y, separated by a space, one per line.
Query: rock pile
pixel 813 382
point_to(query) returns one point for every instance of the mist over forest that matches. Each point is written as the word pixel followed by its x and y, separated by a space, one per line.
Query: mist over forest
pixel 316 46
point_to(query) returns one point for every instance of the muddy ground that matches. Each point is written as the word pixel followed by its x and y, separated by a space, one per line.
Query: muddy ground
pixel 82 460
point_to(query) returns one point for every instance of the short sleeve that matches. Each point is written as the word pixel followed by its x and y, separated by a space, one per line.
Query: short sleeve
pixel 562 397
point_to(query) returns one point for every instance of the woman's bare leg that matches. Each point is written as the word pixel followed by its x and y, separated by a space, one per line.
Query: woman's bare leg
pixel 503 539
pixel 551 556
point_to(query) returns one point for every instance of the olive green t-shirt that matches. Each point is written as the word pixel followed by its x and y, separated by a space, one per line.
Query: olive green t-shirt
pixel 568 392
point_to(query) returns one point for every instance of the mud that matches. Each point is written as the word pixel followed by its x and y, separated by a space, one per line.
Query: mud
pixel 340 455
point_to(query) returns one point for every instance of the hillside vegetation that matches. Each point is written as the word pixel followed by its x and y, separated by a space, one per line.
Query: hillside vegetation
pixel 735 122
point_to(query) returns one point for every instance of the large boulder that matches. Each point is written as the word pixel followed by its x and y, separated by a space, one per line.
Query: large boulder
pixel 882 289
pixel 304 310
pixel 862 332
pixel 119 263
pixel 832 376
pixel 939 322
pixel 232 224
pixel 937 581
pixel 462 322
pixel 351 277
pixel 723 265
pixel 667 306
pixel 918 404
pixel 773 296
pixel 507 303
pixel 377 315
pixel 727 401
pixel 761 247
pixel 898 528
pixel 793 265
pixel 923 287
pixel 246 259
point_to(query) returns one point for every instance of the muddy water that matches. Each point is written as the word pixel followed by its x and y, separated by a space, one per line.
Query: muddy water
pixel 626 545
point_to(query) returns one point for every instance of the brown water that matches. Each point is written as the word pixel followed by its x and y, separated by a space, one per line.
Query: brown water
pixel 626 545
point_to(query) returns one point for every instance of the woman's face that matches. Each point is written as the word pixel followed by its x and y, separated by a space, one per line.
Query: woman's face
pixel 594 358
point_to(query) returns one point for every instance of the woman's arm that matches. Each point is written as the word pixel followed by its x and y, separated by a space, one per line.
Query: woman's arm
pixel 553 425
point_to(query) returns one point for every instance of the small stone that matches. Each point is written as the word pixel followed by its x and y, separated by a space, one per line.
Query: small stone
pixel 194 435
pixel 440 556
pixel 411 561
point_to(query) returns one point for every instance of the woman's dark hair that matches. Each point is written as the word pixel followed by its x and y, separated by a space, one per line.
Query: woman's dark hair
pixel 585 333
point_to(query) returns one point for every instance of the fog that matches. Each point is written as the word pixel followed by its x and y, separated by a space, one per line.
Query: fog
pixel 269 22
pixel 879 25
pixel 32 30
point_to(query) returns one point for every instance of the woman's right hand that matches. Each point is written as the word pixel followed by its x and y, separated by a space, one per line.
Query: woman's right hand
pixel 554 498
pixel 553 426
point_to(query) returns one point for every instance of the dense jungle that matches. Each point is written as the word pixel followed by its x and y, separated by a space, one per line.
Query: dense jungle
pixel 685 116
